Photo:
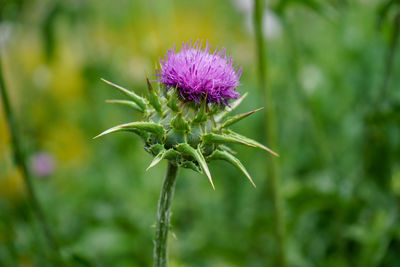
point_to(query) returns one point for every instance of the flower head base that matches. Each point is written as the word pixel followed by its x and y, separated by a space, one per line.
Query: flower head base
pixel 198 74
pixel 189 136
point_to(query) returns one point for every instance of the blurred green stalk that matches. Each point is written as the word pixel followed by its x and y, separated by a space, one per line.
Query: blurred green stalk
pixel 163 216
pixel 269 132
pixel 20 161
pixel 390 56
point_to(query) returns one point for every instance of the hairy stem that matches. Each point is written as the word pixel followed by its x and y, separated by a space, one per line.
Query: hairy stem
pixel 269 132
pixel 20 161
pixel 163 216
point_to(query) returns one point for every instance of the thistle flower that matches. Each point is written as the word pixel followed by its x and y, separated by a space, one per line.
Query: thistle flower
pixel 188 122
pixel 197 74
pixel 190 135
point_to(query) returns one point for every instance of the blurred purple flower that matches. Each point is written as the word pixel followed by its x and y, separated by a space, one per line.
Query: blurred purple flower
pixel 197 73
pixel 42 164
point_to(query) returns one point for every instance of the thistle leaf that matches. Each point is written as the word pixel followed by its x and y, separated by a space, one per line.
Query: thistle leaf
pixel 151 127
pixel 173 102
pixel 140 101
pixel 228 149
pixel 157 159
pixel 126 103
pixel 192 166
pixel 172 154
pixel 151 88
pixel 219 117
pixel 169 154
pixel 172 138
pixel 153 97
pixel 234 119
pixel 249 141
pixel 179 124
pixel 198 156
pixel 155 149
pixel 201 115
pixel 224 155
pixel 194 137
pixel 212 138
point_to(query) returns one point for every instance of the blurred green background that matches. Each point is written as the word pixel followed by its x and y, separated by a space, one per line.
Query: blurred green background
pixel 333 71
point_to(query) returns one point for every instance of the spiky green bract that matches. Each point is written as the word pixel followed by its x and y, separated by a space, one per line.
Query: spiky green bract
pixel 137 99
pixel 234 119
pixel 249 141
pixel 188 135
pixel 212 138
pixel 153 98
pixel 125 103
pixel 150 127
pixel 225 155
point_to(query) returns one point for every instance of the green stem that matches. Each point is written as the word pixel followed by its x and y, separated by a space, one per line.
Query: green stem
pixel 390 58
pixel 270 132
pixel 163 216
pixel 19 157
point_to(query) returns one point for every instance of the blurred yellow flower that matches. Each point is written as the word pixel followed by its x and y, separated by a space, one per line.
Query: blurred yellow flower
pixel 67 143
pixel 67 82
pixel 11 185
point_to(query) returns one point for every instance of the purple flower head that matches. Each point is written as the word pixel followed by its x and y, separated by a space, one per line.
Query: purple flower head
pixel 197 73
